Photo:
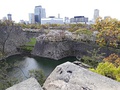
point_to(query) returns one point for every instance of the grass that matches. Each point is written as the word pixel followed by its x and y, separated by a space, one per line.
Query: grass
pixel 30 45
pixel 32 42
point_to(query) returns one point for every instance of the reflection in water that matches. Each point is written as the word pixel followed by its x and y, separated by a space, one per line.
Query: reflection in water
pixel 29 63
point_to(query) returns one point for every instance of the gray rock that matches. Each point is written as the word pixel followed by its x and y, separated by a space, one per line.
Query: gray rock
pixel 69 76
pixel 29 84
pixel 11 37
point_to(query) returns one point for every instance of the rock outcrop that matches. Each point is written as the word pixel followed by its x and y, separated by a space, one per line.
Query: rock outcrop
pixel 30 84
pixel 69 76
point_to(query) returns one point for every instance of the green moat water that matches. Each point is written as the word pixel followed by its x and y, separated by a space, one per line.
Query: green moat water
pixel 30 63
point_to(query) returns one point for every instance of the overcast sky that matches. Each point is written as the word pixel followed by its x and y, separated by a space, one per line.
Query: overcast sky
pixel 70 8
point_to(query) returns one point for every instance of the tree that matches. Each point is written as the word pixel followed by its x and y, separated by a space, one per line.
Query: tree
pixel 39 75
pixel 109 31
pixel 5 33
pixel 3 39
pixel 5 80
pixel 113 58
pixel 94 57
pixel 11 37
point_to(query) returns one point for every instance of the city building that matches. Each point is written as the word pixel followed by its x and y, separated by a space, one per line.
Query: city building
pixel 9 17
pixel 79 19
pixel 39 13
pixel 106 17
pixel 52 20
pixel 4 18
pixel 31 18
pixel 96 14
pixel 51 17
pixel 24 22
pixel 58 15
pixel 43 13
pixel 66 20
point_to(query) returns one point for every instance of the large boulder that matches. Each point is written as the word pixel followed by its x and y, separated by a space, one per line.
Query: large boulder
pixel 69 76
pixel 29 84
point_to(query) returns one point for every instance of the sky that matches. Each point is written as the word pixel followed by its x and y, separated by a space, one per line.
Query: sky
pixel 20 9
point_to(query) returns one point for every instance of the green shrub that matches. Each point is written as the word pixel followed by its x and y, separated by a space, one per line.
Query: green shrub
pixel 39 75
pixel 30 45
pixel 5 80
pixel 32 42
pixel 90 61
pixel 74 27
pixel 83 31
pixel 94 57
pixel 108 69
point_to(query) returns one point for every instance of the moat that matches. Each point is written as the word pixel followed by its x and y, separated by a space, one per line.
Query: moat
pixel 26 63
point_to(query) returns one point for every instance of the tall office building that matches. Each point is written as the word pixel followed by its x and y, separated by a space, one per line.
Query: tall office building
pixel 43 13
pixel 31 18
pixel 58 15
pixel 96 14
pixel 39 13
pixel 9 17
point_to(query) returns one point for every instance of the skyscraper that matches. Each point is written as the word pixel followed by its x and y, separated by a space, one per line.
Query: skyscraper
pixel 96 14
pixel 39 13
pixel 31 18
pixel 9 17
pixel 43 13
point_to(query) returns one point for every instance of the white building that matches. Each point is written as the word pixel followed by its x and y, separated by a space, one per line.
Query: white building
pixel 4 18
pixel 31 18
pixel 52 21
pixel 66 20
pixel 96 14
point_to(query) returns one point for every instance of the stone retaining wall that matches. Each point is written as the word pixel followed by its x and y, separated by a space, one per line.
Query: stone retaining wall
pixel 65 48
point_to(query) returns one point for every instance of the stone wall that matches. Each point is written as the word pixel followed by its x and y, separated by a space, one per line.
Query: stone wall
pixel 11 37
pixel 58 44
pixel 32 34
pixel 60 49
pixel 55 50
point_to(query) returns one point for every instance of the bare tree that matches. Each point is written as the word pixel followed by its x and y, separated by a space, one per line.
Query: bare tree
pixel 11 37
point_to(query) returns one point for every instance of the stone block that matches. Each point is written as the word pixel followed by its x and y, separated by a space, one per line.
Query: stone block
pixel 29 84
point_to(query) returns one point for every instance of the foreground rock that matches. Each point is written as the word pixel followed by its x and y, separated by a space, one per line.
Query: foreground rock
pixel 69 76
pixel 30 84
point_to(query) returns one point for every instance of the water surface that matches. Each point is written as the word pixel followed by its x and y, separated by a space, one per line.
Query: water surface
pixel 26 63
